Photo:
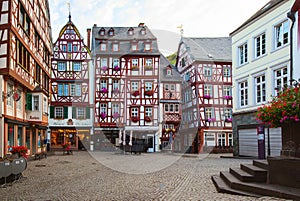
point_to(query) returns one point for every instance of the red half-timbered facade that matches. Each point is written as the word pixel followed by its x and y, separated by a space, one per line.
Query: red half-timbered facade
pixel 25 50
pixel 70 109
pixel 205 66
pixel 170 102
pixel 126 87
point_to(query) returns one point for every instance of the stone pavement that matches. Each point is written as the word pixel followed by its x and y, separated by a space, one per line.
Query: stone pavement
pixel 118 176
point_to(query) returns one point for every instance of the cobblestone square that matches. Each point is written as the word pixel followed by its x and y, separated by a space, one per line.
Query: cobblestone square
pixel 117 176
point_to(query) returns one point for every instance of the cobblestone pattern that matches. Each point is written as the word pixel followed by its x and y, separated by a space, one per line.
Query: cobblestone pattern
pixel 81 177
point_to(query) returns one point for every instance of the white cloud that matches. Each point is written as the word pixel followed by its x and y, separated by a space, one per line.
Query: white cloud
pixel 200 18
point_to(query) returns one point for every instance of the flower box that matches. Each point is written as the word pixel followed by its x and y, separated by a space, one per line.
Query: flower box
pixel 117 68
pixel 104 68
pixel 149 93
pixel 227 97
pixel 135 93
pixel 135 119
pixel 147 119
pixel 207 97
pixel 104 90
pixel 116 115
pixel 103 115
pixel 148 67
pixel 19 150
pixel 211 120
pixel 228 120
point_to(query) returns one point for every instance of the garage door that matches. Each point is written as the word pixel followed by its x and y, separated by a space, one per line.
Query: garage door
pixel 248 142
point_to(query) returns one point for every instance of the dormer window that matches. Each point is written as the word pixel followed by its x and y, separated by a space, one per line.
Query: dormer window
pixel 102 32
pixel 143 31
pixel 169 71
pixel 130 31
pixel 111 32
pixel 147 46
pixel 115 47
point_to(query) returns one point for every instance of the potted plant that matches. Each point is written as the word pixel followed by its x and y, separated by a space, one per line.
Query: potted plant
pixel 135 119
pixel 135 93
pixel 206 96
pixel 210 119
pixel 147 119
pixel 116 115
pixel 149 93
pixel 104 90
pixel 117 68
pixel 104 68
pixel 103 115
pixel 19 151
pixel 228 120
pixel 227 97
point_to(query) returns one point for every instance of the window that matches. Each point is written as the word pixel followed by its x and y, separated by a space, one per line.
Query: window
pixel 58 112
pixel 226 90
pixel 116 84
pixel 9 98
pixel 116 63
pixel 69 47
pixel 166 107
pixel 36 103
pixel 102 31
pixel 75 48
pixel 260 45
pixel 45 105
pixel 172 87
pixel 149 62
pixel 23 57
pixel 19 102
pixel 24 20
pixel 207 72
pixel 61 66
pixel 221 139
pixel 281 34
pixel 78 90
pixel 37 73
pixel 134 46
pixel 243 54
pixel 209 113
pixel 227 113
pixel 187 76
pixel 103 47
pixel 63 89
pixel 134 86
pixel 147 46
pixel 134 112
pixel 103 84
pixel 77 66
pixel 115 108
pixel 226 72
pixel 208 90
pixel 130 31
pixel 111 32
pixel 73 90
pixel 135 62
pixel 64 48
pixel 169 72
pixel 243 89
pixel 104 62
pixel 148 112
pixel 148 86
pixel 230 140
pixel 281 78
pixel 80 112
pixel 260 90
pixel 103 108
pixel 115 47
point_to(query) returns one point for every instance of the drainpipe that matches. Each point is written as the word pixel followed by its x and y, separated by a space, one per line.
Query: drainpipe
pixel 291 16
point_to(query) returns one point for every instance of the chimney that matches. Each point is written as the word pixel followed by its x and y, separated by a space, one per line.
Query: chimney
pixel 141 24
pixel 89 38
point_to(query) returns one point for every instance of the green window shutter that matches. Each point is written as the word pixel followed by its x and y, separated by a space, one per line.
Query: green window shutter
pixel 28 101
pixel 65 112
pixel 74 112
pixel 87 113
pixel 52 112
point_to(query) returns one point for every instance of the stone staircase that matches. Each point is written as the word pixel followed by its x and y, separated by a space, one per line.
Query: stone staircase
pixel 252 180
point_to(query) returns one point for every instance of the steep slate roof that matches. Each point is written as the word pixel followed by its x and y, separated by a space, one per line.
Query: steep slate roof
pixel 163 65
pixel 271 4
pixel 209 49
pixel 124 39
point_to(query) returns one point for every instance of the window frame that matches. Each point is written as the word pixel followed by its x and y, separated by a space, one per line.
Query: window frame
pixel 57 112
pixel 279 36
pixel 243 97
pixel 243 54
pixel 260 89
pixel 260 45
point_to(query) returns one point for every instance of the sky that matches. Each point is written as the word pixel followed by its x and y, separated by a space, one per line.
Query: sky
pixel 199 18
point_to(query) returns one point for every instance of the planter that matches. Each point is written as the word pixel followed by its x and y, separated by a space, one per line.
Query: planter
pixel 290 139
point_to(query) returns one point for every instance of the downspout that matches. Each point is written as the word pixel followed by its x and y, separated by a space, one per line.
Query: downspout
pixel 291 16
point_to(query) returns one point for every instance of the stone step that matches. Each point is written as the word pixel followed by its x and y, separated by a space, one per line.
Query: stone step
pixel 261 188
pixel 222 187
pixel 260 174
pixel 261 163
pixel 242 175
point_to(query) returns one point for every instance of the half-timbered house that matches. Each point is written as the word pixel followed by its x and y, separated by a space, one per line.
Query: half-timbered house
pixel 205 66
pixel 126 87
pixel 170 106
pixel 70 109
pixel 25 50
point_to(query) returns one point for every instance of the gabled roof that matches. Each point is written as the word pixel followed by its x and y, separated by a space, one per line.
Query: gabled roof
pixel 121 35
pixel 209 49
pixel 269 6
pixel 163 65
